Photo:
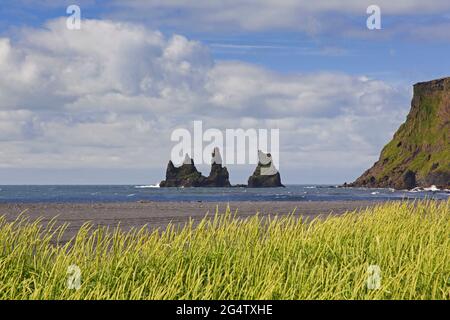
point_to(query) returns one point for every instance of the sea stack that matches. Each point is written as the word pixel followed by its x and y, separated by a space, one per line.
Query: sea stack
pixel 265 175
pixel 219 176
pixel 419 153
pixel 187 174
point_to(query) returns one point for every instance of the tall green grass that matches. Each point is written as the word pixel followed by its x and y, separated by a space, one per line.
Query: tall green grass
pixel 225 257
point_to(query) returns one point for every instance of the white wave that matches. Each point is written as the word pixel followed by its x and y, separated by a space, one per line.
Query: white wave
pixel 433 188
pixel 148 187
pixel 131 195
pixel 375 192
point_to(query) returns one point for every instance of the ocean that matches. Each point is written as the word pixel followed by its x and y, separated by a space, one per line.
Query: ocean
pixel 134 193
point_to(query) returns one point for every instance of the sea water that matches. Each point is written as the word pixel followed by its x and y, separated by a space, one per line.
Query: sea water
pixel 135 193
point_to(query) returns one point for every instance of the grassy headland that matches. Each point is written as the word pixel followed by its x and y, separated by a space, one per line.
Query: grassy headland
pixel 419 153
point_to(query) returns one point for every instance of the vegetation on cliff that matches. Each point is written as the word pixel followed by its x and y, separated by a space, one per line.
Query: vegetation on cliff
pixel 419 153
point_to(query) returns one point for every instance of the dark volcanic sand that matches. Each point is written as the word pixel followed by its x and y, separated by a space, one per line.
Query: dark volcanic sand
pixel 160 214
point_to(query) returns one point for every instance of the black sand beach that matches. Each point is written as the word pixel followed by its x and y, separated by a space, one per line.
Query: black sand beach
pixel 160 214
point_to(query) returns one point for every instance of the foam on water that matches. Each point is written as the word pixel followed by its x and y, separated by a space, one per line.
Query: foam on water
pixel 147 187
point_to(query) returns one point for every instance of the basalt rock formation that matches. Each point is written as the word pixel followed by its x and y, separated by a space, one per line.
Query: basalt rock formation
pixel 265 175
pixel 419 153
pixel 219 176
pixel 187 174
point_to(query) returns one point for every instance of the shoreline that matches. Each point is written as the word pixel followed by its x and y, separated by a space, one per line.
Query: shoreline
pixel 156 214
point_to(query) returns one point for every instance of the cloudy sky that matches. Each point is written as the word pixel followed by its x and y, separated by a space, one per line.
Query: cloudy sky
pixel 98 105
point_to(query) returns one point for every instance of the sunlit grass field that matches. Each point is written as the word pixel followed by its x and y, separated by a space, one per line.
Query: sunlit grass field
pixel 225 257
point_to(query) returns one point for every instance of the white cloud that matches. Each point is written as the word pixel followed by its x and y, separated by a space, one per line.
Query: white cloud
pixel 110 95
pixel 258 15
pixel 260 93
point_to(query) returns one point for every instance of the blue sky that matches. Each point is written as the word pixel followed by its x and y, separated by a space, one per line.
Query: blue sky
pixel 290 49
pixel 372 52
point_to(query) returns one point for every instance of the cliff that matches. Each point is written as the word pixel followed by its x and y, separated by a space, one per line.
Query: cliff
pixel 419 153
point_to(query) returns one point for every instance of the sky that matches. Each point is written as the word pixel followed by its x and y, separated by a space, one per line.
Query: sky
pixel 98 105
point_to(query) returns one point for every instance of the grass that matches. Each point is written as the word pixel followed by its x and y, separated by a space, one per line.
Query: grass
pixel 230 258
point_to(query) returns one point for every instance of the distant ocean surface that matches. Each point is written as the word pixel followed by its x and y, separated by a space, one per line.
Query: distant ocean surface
pixel 132 193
